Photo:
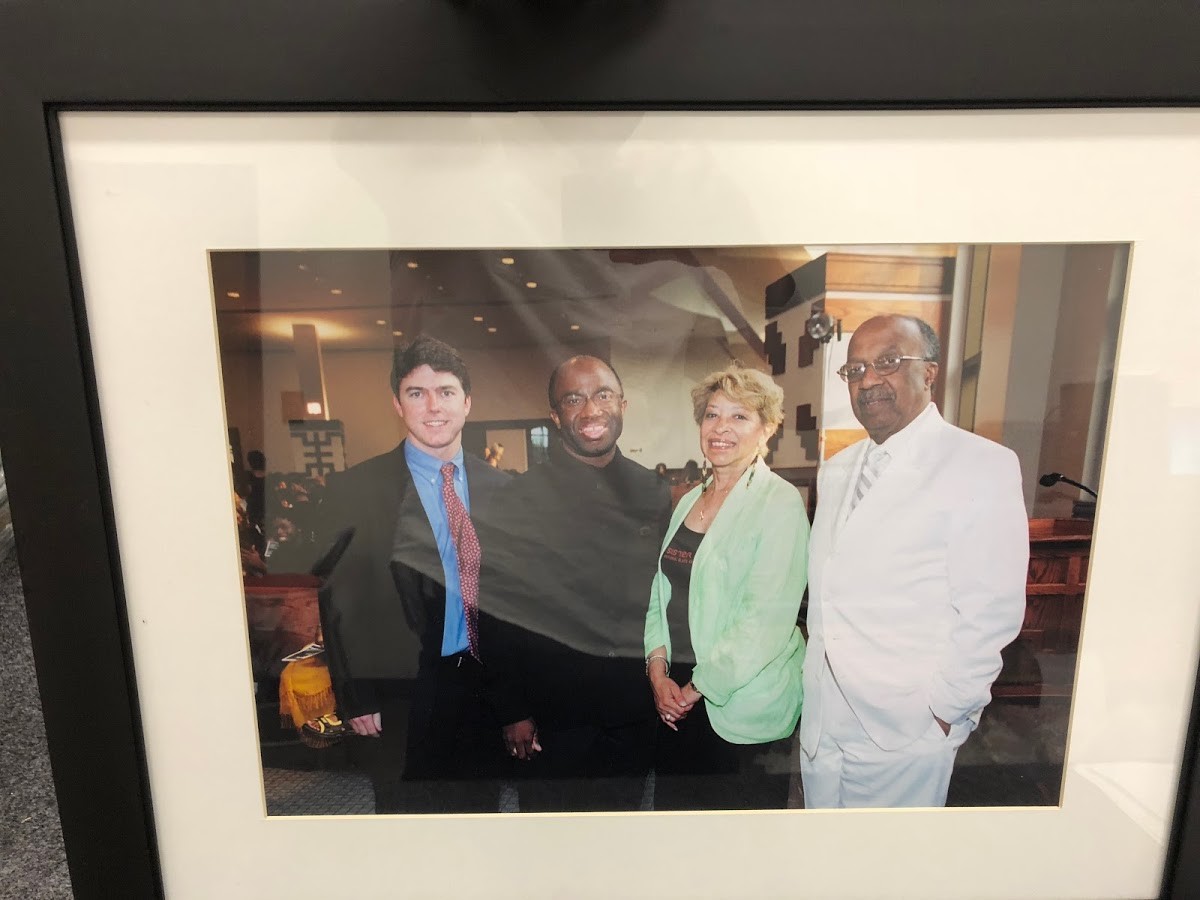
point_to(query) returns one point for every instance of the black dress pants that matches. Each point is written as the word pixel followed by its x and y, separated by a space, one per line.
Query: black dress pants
pixel 696 768
pixel 439 751
pixel 588 767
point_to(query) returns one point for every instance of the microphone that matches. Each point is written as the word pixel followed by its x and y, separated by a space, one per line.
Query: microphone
pixel 1050 479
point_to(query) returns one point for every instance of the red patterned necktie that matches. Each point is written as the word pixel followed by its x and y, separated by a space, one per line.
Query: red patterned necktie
pixel 466 544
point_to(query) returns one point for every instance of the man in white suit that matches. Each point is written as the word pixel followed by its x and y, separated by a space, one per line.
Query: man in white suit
pixel 917 568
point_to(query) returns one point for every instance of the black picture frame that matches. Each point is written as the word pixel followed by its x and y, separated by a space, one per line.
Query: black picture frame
pixel 428 55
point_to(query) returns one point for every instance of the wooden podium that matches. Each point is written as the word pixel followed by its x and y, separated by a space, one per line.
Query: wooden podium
pixel 1058 565
pixel 281 617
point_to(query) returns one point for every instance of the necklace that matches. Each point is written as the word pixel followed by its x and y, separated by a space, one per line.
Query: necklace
pixel 716 492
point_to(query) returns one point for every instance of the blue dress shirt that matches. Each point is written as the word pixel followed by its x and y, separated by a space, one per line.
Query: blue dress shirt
pixel 427 477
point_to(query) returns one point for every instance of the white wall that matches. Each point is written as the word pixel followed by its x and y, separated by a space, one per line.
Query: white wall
pixel 278 374
pixel 835 397
pixel 360 395
pixel 241 375
pixel 1039 293
pixel 659 426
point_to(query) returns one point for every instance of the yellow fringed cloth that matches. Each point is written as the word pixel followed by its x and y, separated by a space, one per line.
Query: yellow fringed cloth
pixel 305 692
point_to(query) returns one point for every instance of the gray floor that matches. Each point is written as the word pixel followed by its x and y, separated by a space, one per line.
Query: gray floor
pixel 298 793
pixel 33 863
pixel 1014 759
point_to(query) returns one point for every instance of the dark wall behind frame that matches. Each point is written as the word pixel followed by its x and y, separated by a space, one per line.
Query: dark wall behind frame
pixel 426 54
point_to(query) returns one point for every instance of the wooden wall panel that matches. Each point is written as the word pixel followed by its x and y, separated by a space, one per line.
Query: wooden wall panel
pixel 854 312
pixel 840 438
pixel 898 274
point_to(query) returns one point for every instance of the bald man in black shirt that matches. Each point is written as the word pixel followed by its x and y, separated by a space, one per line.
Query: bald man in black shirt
pixel 569 559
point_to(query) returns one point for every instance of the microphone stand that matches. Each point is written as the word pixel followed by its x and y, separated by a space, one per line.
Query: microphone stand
pixel 1080 508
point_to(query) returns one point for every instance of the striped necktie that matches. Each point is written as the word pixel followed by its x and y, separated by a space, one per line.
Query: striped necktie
pixel 466 544
pixel 873 466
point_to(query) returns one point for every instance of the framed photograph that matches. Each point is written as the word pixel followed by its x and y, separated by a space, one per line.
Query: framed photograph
pixel 307 340
pixel 147 192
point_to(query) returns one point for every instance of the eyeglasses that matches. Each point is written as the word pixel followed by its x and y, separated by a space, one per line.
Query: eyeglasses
pixel 602 397
pixel 884 365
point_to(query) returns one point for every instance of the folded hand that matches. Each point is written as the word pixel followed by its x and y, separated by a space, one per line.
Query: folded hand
pixel 370 725
pixel 521 739
pixel 669 701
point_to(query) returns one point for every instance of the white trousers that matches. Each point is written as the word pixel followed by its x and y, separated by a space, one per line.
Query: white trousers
pixel 847 769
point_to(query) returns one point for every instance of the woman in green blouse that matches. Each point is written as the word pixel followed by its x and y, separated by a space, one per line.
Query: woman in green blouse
pixel 723 653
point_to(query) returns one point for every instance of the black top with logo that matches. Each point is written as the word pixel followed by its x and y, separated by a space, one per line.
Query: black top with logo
pixel 676 564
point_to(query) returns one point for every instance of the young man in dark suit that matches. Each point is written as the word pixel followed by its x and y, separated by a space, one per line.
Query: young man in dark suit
pixel 399 610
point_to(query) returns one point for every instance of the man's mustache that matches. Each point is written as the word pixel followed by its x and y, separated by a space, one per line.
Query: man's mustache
pixel 876 393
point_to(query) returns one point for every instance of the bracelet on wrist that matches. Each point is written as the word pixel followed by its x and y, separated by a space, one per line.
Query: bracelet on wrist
pixel 666 663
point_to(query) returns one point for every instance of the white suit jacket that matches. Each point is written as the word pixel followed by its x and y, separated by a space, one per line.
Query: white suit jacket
pixel 913 595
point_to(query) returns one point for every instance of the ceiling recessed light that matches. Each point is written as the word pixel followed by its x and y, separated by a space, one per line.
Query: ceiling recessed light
pixel 531 284
pixel 232 295
pixel 491 329
pixel 397 334
pixel 507 260
pixel 476 318
pixel 574 327
pixel 337 292
pixel 302 267
pixel 412 264
pixel 380 322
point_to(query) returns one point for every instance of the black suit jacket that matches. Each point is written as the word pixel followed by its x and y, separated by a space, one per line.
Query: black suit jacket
pixel 383 622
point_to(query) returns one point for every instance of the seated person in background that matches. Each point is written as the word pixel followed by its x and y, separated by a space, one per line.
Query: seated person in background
pixel 691 474
pixel 250 540
pixel 723 652
pixel 688 479
pixel 256 488
pixel 307 703
pixel 496 455
pixel 286 552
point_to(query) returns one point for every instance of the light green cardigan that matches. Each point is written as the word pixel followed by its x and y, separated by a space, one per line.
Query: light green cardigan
pixel 747 581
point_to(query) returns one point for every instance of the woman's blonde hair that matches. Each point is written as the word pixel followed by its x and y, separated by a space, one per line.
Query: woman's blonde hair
pixel 749 387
